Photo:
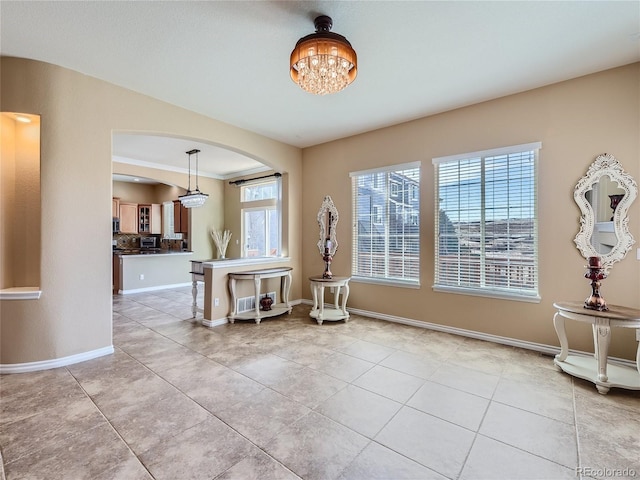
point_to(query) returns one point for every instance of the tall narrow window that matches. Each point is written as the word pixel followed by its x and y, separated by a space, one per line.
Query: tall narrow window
pixel 486 235
pixel 261 219
pixel 386 233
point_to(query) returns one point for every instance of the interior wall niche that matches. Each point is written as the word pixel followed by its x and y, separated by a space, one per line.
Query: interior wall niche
pixel 20 211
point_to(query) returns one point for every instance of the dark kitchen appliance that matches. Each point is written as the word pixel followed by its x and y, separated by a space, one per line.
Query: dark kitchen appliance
pixel 115 223
pixel 147 242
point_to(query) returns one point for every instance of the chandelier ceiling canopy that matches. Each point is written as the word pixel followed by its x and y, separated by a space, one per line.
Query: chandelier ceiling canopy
pixel 193 198
pixel 323 62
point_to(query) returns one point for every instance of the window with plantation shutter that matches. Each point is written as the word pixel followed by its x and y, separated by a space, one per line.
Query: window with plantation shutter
pixel 486 232
pixel 386 232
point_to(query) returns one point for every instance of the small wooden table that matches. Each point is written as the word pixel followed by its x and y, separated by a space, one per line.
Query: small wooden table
pixel 257 276
pixel 341 285
pixel 596 369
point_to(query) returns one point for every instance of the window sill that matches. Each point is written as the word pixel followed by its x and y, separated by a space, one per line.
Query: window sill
pixel 386 281
pixel 20 293
pixel 488 294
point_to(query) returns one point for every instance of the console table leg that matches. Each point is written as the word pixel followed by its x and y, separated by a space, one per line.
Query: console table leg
pixel 287 286
pixel 194 294
pixel 638 353
pixel 314 292
pixel 602 347
pixel 256 285
pixel 345 296
pixel 321 306
pixel 558 324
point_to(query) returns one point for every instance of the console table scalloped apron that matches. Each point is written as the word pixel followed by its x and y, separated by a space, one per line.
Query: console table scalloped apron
pixel 596 369
pixel 256 276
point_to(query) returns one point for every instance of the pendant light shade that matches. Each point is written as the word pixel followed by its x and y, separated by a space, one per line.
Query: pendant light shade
pixel 193 198
pixel 323 62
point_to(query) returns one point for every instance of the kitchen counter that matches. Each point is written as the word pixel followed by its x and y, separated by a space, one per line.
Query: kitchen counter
pixel 150 252
pixel 137 271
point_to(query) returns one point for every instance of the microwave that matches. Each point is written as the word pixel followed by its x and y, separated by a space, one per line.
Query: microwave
pixel 147 242
pixel 115 225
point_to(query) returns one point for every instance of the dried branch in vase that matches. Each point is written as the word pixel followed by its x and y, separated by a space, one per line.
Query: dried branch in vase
pixel 221 239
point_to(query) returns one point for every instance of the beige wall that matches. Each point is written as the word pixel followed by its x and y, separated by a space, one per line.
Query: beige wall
pixel 79 115
pixel 140 193
pixel 20 207
pixel 575 121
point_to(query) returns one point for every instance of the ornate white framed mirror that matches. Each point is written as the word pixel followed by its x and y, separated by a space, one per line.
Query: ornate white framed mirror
pixel 604 195
pixel 327 221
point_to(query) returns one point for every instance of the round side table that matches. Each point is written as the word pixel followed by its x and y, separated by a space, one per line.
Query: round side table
pixel 336 312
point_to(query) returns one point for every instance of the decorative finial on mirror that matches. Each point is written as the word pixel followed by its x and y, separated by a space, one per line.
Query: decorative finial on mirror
pixel 328 243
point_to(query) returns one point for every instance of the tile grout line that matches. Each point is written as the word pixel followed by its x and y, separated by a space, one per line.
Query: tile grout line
pixel 113 428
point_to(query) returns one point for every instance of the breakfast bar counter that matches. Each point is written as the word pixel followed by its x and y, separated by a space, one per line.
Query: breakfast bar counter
pixel 136 271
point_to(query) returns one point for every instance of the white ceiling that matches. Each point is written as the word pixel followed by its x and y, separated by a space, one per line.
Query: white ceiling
pixel 169 153
pixel 229 59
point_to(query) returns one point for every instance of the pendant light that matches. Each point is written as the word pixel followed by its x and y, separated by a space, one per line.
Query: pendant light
pixel 195 198
pixel 323 62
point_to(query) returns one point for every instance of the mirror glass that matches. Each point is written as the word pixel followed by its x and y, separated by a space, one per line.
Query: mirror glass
pixel 327 221
pixel 604 195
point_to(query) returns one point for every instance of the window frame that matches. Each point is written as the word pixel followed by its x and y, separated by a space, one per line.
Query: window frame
pixel 265 205
pixel 491 291
pixel 378 186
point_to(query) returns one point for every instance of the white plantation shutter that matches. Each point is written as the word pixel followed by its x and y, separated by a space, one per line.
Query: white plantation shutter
pixel 486 235
pixel 386 224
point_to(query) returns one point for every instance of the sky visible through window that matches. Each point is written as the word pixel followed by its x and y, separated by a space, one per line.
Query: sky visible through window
pixel 509 188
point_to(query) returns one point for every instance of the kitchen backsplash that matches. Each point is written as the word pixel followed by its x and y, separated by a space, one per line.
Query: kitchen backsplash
pixel 128 241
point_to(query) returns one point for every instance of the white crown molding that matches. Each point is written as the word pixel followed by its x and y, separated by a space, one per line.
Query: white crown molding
pixel 185 171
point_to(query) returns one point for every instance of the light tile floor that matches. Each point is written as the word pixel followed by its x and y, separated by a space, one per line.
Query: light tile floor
pixel 289 399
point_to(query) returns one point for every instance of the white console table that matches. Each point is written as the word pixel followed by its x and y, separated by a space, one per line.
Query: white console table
pixel 257 276
pixel 341 285
pixel 596 369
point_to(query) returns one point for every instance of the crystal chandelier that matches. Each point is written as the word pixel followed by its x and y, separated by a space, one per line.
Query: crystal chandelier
pixel 323 62
pixel 194 198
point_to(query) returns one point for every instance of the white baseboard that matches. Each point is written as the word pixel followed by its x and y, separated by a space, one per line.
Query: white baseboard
pixel 215 323
pixel 513 342
pixel 153 289
pixel 56 362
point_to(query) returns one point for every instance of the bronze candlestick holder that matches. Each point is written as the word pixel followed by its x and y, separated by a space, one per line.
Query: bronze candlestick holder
pixel 595 273
pixel 327 260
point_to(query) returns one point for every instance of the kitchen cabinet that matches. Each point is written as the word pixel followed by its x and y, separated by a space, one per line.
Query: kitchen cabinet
pixel 180 217
pixel 128 217
pixel 156 218
pixel 115 269
pixel 149 218
pixel 115 207
pixel 144 218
